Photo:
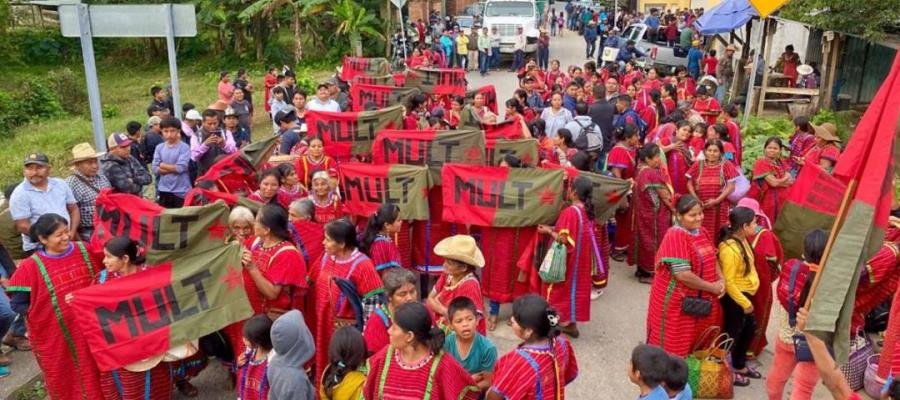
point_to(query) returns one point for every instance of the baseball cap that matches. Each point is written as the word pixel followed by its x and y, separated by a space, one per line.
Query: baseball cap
pixel 154 120
pixel 331 81
pixel 193 115
pixel 229 112
pixel 37 158
pixel 118 139
pixel 286 113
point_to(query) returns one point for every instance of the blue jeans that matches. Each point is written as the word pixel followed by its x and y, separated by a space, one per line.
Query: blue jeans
pixel 543 58
pixel 483 62
pixel 493 308
pixel 7 316
pixel 495 57
pixel 591 46
pixel 518 60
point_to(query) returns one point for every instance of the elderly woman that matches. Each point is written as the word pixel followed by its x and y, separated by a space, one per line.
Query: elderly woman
pixel 341 261
pixel 324 198
pixel 400 288
pixel 461 258
pixel 306 233
pixel 240 224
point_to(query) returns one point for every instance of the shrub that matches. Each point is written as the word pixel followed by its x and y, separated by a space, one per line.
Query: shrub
pixel 70 89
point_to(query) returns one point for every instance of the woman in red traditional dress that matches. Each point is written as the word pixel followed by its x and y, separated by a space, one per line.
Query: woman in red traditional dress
pixel 621 162
pixel 712 180
pixel 685 86
pixel 376 240
pixel 306 234
pixel 342 260
pixel 455 113
pixel 826 152
pixel 801 141
pixel 572 297
pixel 563 148
pixel 325 199
pixel 678 157
pixel 414 365
pixel 515 112
pixel 555 73
pixel 400 287
pixel 651 211
pixel 668 96
pixel 653 112
pixel 313 161
pixel 706 105
pixel 252 365
pixel 720 132
pixel 543 364
pixel 767 257
pixel 729 118
pixel 686 267
pixel 416 116
pixel 878 280
pixel 771 179
pixel 38 289
pixel 461 258
pixel 290 188
pixel 121 259
pixel 269 183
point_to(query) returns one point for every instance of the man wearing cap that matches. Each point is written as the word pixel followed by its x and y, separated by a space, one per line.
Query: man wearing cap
pixel 210 141
pixel 86 183
pixel 590 37
pixel 322 101
pixel 40 194
pixel 495 48
pixel 725 72
pixel 518 50
pixel 232 127
pixel 191 123
pixel 336 94
pixel 694 56
pixel 152 138
pixel 291 133
pixel 125 173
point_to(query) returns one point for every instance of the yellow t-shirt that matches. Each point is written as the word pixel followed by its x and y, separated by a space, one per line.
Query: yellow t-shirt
pixel 350 387
pixel 732 262
pixel 462 44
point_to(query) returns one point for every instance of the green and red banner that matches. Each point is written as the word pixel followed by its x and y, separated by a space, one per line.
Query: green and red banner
pixel 608 192
pixel 381 95
pixel 374 80
pixel 438 80
pixel 354 66
pixel 526 150
pixel 500 196
pixel 510 130
pixel 867 166
pixel 429 148
pixel 346 134
pixel 365 187
pixel 236 173
pixel 490 97
pixel 192 286
pixel 812 202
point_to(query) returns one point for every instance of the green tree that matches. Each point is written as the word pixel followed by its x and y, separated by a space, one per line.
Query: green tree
pixel 354 23
pixel 870 19
pixel 302 14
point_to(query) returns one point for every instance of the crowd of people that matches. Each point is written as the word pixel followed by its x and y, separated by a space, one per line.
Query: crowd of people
pixel 341 309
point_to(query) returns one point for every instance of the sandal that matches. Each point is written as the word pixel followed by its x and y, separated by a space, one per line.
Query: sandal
pixel 492 323
pixel 751 373
pixel 571 330
pixel 186 388
pixel 741 380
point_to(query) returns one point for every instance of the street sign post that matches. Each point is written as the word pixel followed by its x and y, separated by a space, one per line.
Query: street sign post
pixel 158 20
pixel 399 4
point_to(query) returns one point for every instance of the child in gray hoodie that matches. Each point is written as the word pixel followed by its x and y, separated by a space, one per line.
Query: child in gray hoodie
pixel 293 346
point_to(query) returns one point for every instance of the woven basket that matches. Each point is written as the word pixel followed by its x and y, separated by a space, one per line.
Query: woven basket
pixel 872 381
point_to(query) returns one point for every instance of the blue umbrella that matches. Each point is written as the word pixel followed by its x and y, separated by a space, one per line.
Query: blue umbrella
pixel 725 17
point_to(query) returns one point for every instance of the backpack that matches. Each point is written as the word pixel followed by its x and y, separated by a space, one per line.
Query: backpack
pixel 589 139
pixel 641 125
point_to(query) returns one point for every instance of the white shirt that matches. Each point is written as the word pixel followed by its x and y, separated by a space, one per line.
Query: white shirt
pixel 317 105
pixel 519 44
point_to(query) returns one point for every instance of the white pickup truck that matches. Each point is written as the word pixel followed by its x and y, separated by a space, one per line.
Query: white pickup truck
pixel 508 16
pixel 659 53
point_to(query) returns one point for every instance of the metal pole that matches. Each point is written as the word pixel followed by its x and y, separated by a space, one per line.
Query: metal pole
pixel 403 32
pixel 752 78
pixel 90 74
pixel 173 65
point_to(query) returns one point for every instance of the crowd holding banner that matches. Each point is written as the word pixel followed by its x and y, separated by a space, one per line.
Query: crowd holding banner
pixel 476 208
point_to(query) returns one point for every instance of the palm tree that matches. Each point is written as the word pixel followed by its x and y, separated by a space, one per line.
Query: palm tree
pixel 302 10
pixel 353 22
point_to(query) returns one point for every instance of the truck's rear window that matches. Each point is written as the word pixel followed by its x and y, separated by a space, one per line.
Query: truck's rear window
pixel 509 9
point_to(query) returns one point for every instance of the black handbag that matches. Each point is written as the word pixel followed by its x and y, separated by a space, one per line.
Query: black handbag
pixel 697 306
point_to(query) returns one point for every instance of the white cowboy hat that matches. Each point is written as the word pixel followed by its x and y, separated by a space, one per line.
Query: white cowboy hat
pixel 82 152
pixel 804 69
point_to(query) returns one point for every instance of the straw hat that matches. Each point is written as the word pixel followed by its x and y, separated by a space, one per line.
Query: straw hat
pixel 460 248
pixel 826 131
pixel 145 364
pixel 804 69
pixel 181 352
pixel 730 47
pixel 83 152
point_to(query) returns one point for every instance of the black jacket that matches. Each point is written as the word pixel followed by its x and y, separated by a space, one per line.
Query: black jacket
pixel 602 113
pixel 125 176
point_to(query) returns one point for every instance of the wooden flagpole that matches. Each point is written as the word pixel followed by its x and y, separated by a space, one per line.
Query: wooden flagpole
pixel 838 223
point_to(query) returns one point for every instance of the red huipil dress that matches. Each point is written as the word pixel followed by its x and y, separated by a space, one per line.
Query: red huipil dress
pixel 502 247
pixel 685 89
pixel 329 210
pixel 122 384
pixel 536 372
pixel 286 196
pixel 770 198
pixel 801 143
pixel 650 217
pixel 877 283
pixel 709 181
pixel 650 114
pixel 59 348
pixel 828 152
pixel 669 105
pixel 252 382
pixel 622 157
pixel 667 327
pixel 281 264
pixel 438 377
pixel 710 104
pixel 332 309
pixel 768 256
pixel 306 167
pixel 734 133
pixel 428 233
pixel 467 287
pixel 678 163
pixel 375 333
pixel 572 297
pixel 384 253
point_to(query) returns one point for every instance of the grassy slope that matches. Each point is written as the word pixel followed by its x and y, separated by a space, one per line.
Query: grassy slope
pixel 127 90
